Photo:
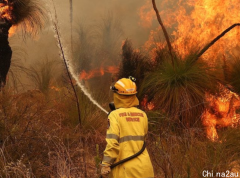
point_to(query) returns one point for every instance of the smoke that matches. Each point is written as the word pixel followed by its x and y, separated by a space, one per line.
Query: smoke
pixel 88 14
pixel 66 54
pixel 92 15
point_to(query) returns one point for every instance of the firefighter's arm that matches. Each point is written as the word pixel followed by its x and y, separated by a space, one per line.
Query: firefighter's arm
pixel 112 149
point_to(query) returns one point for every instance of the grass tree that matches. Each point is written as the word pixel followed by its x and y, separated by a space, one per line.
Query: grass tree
pixel 233 75
pixel 110 32
pixel 179 90
pixel 178 85
pixel 42 76
pixel 133 63
pixel 28 16
pixel 83 57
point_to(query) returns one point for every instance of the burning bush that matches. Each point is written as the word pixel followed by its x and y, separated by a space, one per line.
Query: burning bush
pixel 234 74
pixel 179 90
pixel 133 63
pixel 27 13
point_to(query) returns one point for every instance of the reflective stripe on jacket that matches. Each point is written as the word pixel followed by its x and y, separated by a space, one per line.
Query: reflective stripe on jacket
pixel 125 137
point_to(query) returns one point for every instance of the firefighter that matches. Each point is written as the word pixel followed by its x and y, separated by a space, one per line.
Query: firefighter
pixel 126 133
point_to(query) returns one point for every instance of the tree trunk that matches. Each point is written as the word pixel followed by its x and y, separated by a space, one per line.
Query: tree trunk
pixel 215 40
pixel 5 51
pixel 164 30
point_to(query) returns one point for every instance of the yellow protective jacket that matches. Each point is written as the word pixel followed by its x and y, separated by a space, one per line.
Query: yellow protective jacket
pixel 127 130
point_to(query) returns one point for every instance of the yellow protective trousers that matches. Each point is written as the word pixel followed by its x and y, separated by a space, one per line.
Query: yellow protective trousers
pixel 125 137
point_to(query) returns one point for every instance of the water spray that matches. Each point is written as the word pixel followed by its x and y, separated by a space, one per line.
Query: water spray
pixel 63 53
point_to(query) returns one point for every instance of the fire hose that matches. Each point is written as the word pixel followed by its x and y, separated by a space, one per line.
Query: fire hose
pixel 129 158
pixel 112 107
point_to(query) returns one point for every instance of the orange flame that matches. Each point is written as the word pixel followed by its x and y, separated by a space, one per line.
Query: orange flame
pixel 221 112
pixel 194 28
pixel 12 31
pixel 147 105
pixel 192 25
pixel 5 13
pixel 98 72
pixel 146 14
pixel 55 88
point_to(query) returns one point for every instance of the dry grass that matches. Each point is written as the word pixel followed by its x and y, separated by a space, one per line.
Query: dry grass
pixel 40 136
pixel 189 153
pixel 29 15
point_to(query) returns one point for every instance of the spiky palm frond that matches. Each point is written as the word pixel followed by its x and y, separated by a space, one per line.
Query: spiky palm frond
pixel 42 76
pixel 133 63
pixel 164 29
pixel 179 90
pixel 234 74
pixel 201 52
pixel 225 68
pixel 85 48
pixel 17 68
pixel 29 14
pixel 109 34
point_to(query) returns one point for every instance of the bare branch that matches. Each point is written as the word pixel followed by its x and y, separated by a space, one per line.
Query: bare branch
pixel 66 65
pixel 164 29
pixel 69 75
pixel 215 40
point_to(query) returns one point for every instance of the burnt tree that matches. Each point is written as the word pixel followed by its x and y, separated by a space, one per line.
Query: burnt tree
pixel 5 50
pixel 25 13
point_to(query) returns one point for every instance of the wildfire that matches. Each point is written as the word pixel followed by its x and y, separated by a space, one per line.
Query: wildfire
pixel 55 88
pixel 5 10
pixel 147 105
pixel 192 29
pixel 146 14
pixel 12 31
pixel 192 25
pixel 98 72
pixel 221 112
pixel 5 13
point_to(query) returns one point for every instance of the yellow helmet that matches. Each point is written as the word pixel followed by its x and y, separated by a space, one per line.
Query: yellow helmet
pixel 125 86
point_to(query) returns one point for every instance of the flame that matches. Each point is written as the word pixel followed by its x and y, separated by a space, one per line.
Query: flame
pixel 55 88
pixel 192 25
pixel 5 10
pixel 221 112
pixel 111 69
pixel 147 105
pixel 210 123
pixel 12 31
pixel 5 13
pixel 98 72
pixel 193 29
pixel 146 14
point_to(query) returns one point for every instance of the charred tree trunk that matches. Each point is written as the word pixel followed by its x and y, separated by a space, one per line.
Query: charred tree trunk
pixel 215 40
pixel 164 30
pixel 5 51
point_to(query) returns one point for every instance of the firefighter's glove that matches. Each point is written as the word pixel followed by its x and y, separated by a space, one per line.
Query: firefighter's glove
pixel 105 170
